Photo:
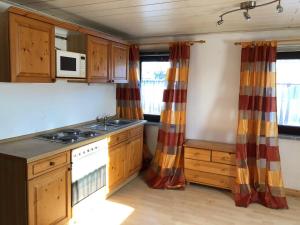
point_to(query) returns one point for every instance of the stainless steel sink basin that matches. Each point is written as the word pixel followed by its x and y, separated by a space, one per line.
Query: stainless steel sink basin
pixel 102 127
pixel 119 122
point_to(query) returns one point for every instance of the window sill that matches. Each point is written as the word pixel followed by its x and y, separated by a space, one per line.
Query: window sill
pixel 149 123
pixel 289 137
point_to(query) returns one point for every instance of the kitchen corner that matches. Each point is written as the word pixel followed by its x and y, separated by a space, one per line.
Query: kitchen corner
pixel 71 163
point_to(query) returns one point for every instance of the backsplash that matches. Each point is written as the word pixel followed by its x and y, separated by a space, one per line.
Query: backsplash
pixel 29 108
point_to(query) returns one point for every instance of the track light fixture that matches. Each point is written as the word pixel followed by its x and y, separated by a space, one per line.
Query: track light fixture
pixel 248 5
pixel 247 16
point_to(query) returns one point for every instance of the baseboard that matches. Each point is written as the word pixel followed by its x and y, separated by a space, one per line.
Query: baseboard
pixel 292 192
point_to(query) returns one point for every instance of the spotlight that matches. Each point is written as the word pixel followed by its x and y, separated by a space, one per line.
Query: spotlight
pixel 279 8
pixel 247 16
pixel 220 21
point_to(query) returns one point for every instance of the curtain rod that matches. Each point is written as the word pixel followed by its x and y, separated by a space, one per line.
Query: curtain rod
pixel 162 43
pixel 280 41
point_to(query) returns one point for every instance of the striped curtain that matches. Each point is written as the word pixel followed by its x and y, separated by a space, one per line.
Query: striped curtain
pixel 259 176
pixel 128 95
pixel 166 171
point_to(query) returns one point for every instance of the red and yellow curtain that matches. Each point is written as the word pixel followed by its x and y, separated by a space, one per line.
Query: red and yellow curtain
pixel 259 176
pixel 166 171
pixel 128 95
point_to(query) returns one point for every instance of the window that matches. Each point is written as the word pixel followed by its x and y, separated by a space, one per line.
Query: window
pixel 288 92
pixel 154 69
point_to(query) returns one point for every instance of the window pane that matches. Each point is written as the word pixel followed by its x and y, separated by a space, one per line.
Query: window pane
pixel 288 92
pixel 153 83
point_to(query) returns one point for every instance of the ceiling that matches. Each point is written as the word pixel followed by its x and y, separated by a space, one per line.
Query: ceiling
pixel 148 18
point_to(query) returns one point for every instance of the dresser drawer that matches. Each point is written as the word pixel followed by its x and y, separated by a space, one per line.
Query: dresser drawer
pixel 118 138
pixel 210 167
pixel 48 164
pixel 209 179
pixel 198 154
pixel 224 157
pixel 136 131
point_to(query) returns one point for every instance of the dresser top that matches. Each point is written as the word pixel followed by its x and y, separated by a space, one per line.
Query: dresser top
pixel 217 146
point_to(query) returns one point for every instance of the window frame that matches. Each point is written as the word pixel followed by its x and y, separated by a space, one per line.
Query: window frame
pixel 152 57
pixel 284 129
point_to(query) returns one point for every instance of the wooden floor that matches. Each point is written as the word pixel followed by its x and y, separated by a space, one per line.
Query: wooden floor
pixel 136 204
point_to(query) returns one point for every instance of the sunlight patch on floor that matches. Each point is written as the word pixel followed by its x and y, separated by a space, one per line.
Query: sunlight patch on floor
pixel 96 210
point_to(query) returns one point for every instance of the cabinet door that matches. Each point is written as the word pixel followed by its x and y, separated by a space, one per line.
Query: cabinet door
pixel 97 60
pixel 49 198
pixel 116 164
pixel 120 63
pixel 32 53
pixel 134 156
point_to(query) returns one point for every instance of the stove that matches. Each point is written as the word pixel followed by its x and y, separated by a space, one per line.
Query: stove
pixel 67 136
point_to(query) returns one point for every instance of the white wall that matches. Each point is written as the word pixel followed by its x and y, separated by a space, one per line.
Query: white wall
pixel 28 108
pixel 212 103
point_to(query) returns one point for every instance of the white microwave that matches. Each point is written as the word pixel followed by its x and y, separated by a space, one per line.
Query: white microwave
pixel 70 64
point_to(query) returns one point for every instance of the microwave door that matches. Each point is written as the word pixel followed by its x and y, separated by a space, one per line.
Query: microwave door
pixel 68 64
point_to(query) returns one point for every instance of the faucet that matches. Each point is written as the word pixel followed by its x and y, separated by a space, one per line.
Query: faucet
pixel 103 119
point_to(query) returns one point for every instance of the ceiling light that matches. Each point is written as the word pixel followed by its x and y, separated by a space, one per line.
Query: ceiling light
pixel 249 5
pixel 247 16
pixel 279 8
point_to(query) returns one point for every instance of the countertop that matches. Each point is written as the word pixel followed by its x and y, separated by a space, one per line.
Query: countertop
pixel 31 149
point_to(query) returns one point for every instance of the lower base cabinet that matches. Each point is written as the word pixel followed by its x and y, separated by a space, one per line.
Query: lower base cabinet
pixel 39 193
pixel 49 198
pixel 124 159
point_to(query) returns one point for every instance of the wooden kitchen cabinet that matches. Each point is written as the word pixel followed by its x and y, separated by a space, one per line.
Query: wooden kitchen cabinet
pixel 134 155
pixel 119 63
pixel 97 59
pixel 32 52
pixel 125 157
pixel 106 61
pixel 49 198
pixel 116 165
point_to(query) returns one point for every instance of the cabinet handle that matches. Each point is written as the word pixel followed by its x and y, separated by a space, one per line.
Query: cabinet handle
pixel 52 163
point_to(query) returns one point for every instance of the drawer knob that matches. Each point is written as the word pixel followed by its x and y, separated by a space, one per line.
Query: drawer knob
pixel 52 163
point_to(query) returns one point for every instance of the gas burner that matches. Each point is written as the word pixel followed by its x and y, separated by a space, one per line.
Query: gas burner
pixel 68 138
pixel 87 134
pixel 51 136
pixel 70 131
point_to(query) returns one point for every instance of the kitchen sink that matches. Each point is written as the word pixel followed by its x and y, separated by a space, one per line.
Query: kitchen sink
pixel 102 127
pixel 119 122
pixel 110 125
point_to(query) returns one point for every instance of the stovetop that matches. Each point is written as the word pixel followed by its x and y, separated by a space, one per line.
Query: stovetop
pixel 67 136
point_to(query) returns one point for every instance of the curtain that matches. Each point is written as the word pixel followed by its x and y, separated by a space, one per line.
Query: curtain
pixel 259 176
pixel 128 95
pixel 129 98
pixel 166 171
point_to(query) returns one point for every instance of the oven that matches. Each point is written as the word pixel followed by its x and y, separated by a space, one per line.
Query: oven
pixel 88 170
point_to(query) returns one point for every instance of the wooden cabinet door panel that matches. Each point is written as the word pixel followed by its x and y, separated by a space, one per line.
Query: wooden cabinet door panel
pixel 97 59
pixel 120 63
pixel 49 198
pixel 134 155
pixel 32 52
pixel 116 165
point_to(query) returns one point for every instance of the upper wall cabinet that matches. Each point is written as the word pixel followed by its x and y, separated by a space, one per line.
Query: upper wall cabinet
pixel 32 53
pixel 97 60
pixel 107 61
pixel 120 63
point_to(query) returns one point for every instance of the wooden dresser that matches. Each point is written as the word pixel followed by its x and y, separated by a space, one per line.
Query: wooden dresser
pixel 210 163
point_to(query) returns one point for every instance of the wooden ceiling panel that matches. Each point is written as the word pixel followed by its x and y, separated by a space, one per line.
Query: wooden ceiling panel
pixel 142 18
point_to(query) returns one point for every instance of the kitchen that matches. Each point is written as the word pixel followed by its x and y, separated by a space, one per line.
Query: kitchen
pixel 59 117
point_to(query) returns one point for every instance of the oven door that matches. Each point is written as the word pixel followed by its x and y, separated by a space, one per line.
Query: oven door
pixel 67 64
pixel 88 172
